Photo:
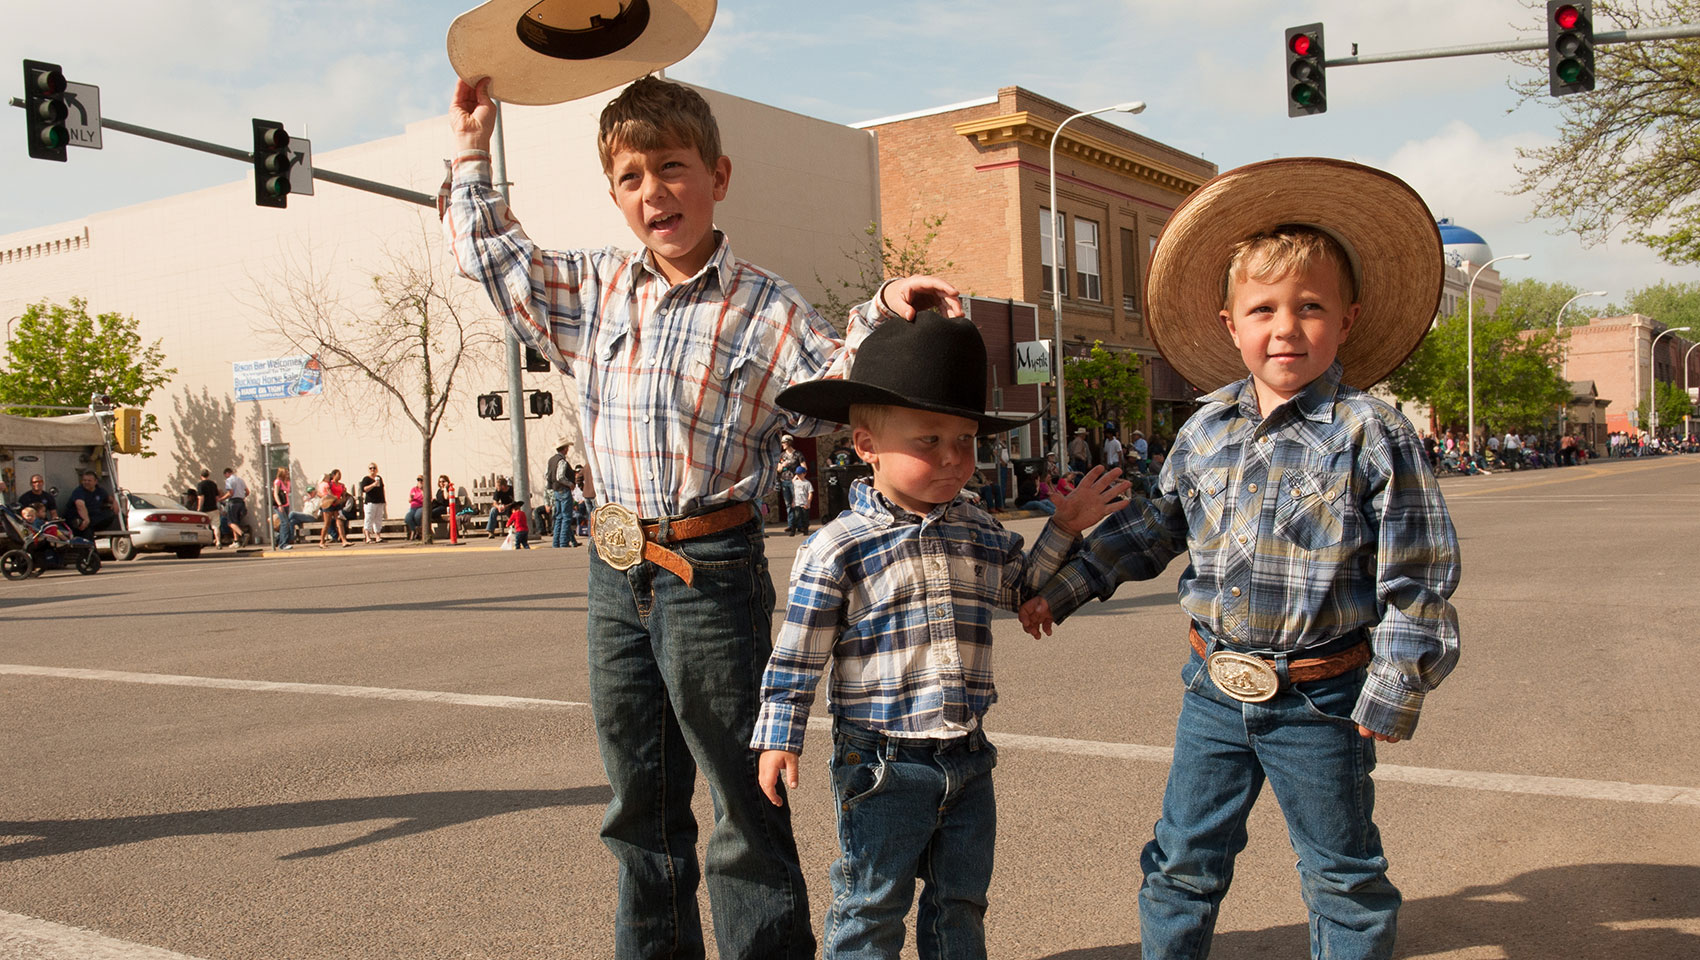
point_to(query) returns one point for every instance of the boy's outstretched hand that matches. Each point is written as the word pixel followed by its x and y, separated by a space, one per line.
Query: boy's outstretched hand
pixel 767 773
pixel 1095 497
pixel 1035 616
pixel 908 296
pixel 472 115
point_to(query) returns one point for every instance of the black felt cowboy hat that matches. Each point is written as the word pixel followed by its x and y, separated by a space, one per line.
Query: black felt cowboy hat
pixel 935 363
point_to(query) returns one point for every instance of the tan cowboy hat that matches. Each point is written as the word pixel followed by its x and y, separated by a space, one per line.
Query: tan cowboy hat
pixel 550 51
pixel 1386 229
pixel 563 442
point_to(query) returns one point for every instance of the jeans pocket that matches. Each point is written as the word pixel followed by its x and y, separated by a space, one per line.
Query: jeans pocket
pixel 1332 699
pixel 858 772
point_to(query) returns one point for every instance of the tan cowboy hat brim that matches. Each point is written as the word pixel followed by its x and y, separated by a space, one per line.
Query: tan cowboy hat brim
pixel 550 51
pixel 1387 231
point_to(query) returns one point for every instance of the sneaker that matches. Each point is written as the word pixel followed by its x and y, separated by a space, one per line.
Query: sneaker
pixel 287 546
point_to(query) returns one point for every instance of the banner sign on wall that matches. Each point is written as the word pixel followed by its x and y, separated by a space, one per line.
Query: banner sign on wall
pixel 279 378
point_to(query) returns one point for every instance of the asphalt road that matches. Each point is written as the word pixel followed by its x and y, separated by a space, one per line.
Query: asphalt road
pixel 375 753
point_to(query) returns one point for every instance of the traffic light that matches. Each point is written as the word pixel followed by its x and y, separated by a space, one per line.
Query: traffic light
pixel 45 110
pixel 1307 89
pixel 535 361
pixel 271 164
pixel 127 430
pixel 542 403
pixel 1570 46
pixel 490 406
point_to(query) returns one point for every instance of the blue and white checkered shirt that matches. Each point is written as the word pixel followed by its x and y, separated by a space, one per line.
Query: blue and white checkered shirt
pixel 902 607
pixel 1314 523
pixel 675 383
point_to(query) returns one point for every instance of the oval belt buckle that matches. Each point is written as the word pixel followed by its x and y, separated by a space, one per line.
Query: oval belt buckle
pixel 1246 679
pixel 618 536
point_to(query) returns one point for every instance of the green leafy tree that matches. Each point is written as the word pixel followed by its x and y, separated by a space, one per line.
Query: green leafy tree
pixel 1673 406
pixel 1626 154
pixel 1672 304
pixel 1534 304
pixel 1518 386
pixel 61 356
pixel 876 257
pixel 1104 385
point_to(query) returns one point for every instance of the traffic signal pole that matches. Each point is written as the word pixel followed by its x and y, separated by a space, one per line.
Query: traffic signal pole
pixel 231 153
pixel 1677 32
pixel 516 388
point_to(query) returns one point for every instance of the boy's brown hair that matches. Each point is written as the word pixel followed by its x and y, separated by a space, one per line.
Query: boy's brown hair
pixel 653 114
pixel 1286 250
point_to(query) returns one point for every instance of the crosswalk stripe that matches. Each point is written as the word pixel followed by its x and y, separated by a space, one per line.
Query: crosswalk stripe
pixel 36 939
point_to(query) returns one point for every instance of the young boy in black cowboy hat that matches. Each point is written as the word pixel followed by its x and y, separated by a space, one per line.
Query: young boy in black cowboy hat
pixel 1322 555
pixel 898 592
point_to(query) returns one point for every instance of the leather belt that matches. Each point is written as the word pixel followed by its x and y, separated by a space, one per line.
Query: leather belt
pixel 1252 679
pixel 623 540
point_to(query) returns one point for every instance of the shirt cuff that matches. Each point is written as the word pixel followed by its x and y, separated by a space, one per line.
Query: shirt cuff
pixel 1065 593
pixel 780 726
pixel 881 311
pixel 1388 707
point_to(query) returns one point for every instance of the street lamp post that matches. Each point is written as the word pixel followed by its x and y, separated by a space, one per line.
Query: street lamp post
pixel 1653 384
pixel 1132 106
pixel 1564 369
pixel 1470 341
pixel 1685 418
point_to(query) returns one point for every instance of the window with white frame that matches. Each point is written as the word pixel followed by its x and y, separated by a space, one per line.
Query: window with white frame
pixel 1086 258
pixel 1048 223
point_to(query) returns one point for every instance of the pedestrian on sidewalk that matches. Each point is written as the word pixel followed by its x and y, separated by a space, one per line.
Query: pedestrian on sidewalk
pixel 372 496
pixel 519 526
pixel 235 500
pixel 559 476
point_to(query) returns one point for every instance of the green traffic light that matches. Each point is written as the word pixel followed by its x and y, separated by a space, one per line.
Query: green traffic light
pixel 1305 95
pixel 1569 71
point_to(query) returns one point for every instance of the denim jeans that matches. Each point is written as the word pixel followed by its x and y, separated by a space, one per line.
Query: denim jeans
pixel 1305 744
pixel 287 520
pixel 675 681
pixel 911 809
pixel 797 519
pixel 565 522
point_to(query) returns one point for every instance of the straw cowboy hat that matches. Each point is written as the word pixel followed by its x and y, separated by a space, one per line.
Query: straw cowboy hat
pixel 1387 231
pixel 934 363
pixel 563 442
pixel 550 51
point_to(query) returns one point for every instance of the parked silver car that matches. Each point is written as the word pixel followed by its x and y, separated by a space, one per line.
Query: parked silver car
pixel 159 523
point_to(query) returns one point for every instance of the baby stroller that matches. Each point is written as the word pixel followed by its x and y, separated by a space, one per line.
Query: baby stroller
pixel 29 552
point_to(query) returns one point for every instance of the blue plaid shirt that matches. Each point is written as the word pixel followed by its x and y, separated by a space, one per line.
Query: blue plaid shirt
pixel 902 606
pixel 1317 522
pixel 676 384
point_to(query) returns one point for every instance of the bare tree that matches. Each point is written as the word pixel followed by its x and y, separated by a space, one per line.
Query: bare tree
pixel 408 338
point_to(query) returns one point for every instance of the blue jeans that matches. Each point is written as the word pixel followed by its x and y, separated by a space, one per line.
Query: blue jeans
pixel 675 682
pixel 286 521
pixel 1305 744
pixel 797 519
pixel 911 809
pixel 565 521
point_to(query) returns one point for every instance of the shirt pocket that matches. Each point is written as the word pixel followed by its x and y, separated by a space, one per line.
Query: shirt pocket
pixel 1204 497
pixel 1311 509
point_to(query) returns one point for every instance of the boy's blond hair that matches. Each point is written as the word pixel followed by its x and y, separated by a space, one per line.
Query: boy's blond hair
pixel 1282 252
pixel 653 114
pixel 869 416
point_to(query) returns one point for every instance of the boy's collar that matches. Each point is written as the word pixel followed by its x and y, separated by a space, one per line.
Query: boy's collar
pixel 1315 402
pixel 719 265
pixel 866 500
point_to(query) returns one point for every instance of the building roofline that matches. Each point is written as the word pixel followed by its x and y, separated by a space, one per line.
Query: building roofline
pixel 928 112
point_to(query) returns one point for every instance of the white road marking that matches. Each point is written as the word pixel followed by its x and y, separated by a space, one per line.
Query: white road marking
pixel 1605 790
pixel 27 938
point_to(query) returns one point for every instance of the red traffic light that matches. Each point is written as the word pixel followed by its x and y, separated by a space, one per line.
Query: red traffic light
pixel 1566 17
pixel 1301 44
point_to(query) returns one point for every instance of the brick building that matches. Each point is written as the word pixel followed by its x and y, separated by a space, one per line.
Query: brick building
pixel 1613 352
pixel 984 167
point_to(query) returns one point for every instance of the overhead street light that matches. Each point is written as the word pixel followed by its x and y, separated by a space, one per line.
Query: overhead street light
pixel 1653 384
pixel 1558 321
pixel 1470 340
pixel 1685 418
pixel 1132 106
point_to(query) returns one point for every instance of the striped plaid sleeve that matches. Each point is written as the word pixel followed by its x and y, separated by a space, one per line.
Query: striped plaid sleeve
pixel 1025 574
pixel 813 621
pixel 1135 543
pixel 536 291
pixel 1415 645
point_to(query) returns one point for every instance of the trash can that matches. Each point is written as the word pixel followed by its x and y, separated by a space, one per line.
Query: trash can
pixel 1026 480
pixel 836 497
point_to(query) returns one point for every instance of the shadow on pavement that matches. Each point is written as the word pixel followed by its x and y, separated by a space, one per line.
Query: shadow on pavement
pixel 417 813
pixel 1621 911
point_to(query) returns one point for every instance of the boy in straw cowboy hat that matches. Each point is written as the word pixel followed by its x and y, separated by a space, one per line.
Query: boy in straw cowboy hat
pixel 1322 555
pixel 679 350
pixel 897 593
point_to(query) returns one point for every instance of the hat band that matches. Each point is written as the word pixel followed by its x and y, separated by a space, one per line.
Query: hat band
pixel 605 35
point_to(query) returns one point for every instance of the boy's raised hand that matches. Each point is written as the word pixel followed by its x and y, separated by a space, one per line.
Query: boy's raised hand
pixel 768 768
pixel 472 115
pixel 908 296
pixel 1095 497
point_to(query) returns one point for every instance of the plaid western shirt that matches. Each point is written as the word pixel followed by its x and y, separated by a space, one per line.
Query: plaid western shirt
pixel 1317 522
pixel 902 606
pixel 675 383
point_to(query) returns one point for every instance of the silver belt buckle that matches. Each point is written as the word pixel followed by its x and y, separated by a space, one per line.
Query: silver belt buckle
pixel 618 536
pixel 1246 679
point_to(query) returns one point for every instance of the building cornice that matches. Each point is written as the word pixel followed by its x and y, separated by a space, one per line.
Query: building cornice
pixel 1024 127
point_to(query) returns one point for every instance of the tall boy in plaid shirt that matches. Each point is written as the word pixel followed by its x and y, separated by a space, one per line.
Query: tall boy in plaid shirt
pixel 897 594
pixel 1322 555
pixel 678 351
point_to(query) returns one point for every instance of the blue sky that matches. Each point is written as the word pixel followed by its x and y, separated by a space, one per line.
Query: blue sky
pixel 346 71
